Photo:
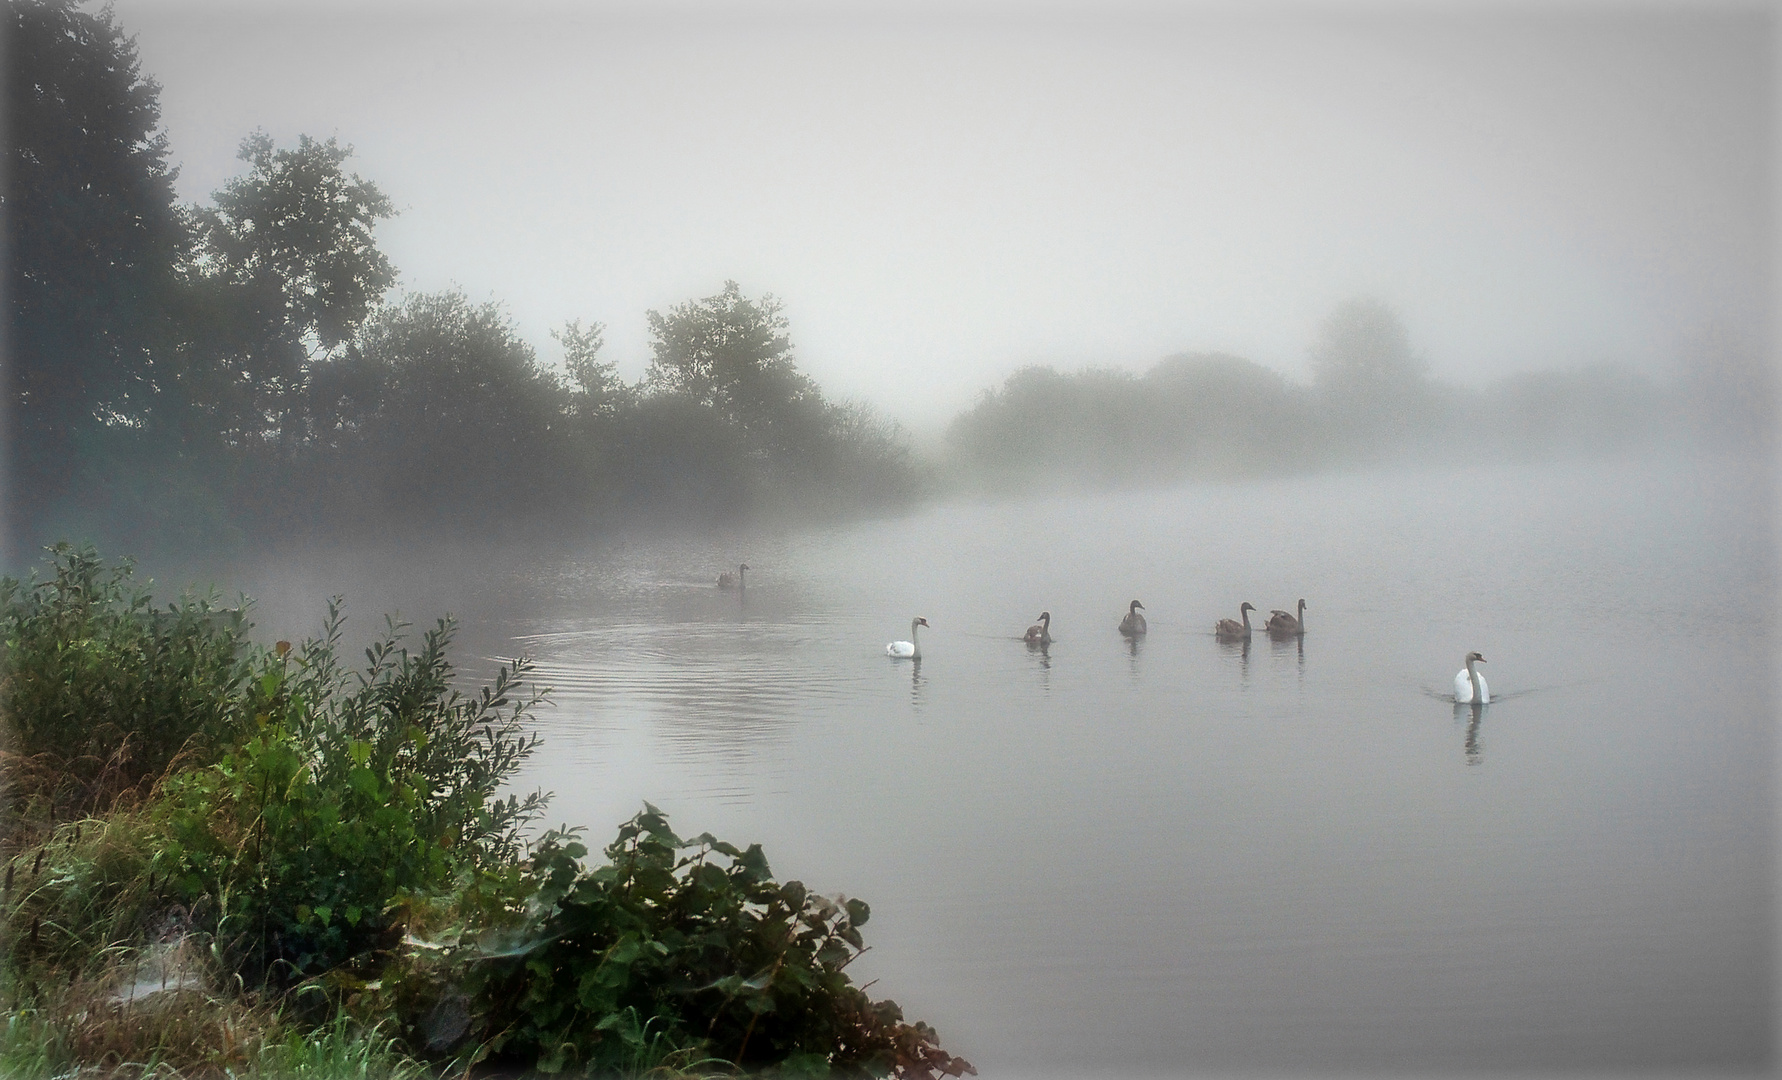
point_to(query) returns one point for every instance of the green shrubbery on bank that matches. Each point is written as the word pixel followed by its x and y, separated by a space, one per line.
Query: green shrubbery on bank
pixel 222 859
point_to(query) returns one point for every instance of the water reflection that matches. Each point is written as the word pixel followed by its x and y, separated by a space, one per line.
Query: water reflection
pixel 1278 646
pixel 1240 646
pixel 1474 713
pixel 1042 650
pixel 916 682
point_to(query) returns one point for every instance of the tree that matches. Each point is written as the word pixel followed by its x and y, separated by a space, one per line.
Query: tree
pixel 91 231
pixel 732 425
pixel 733 355
pixel 1362 346
pixel 440 403
pixel 1375 391
pixel 284 269
pixel 599 390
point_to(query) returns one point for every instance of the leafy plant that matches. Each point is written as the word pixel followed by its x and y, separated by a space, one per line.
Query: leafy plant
pixel 352 792
pixel 697 937
pixel 101 690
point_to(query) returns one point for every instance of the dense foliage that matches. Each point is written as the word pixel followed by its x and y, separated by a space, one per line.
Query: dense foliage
pixel 202 377
pixel 692 943
pixel 102 690
pixel 91 235
pixel 324 870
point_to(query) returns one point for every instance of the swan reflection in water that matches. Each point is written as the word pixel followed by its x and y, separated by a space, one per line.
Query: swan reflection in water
pixel 1278 645
pixel 1473 714
pixel 916 681
pixel 1240 647
pixel 1041 651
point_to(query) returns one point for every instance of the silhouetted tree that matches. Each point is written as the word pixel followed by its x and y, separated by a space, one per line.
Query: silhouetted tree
pixel 283 271
pixel 1375 391
pixel 597 392
pixel 1363 347
pixel 734 356
pixel 442 404
pixel 91 229
pixel 728 418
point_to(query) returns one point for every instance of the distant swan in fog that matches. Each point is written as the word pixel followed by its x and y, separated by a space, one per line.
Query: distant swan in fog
pixel 1040 633
pixel 1468 680
pixel 907 649
pixel 1281 624
pixel 1231 628
pixel 727 580
pixel 1133 624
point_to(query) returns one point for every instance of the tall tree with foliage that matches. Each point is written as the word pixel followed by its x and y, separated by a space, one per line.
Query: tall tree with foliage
pixel 741 428
pixel 1375 389
pixel 91 229
pixel 439 403
pixel 283 270
pixel 733 355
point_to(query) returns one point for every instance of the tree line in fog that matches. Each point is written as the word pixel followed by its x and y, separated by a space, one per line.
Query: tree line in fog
pixel 1213 415
pixel 202 376
pixel 208 374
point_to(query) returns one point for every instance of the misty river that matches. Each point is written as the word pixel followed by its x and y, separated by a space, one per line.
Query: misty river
pixel 1183 854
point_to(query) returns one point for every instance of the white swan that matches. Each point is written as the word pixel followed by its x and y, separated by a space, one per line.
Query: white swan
pixel 907 650
pixel 1469 685
pixel 727 580
pixel 1283 624
pixel 1231 629
pixel 1040 633
pixel 1133 624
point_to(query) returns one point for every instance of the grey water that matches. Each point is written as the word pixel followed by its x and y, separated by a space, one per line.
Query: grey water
pixel 1180 855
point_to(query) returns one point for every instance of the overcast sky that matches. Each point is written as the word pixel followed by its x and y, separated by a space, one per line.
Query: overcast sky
pixel 940 198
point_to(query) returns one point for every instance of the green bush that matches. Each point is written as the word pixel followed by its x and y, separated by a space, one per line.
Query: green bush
pixel 100 690
pixel 675 947
pixel 353 792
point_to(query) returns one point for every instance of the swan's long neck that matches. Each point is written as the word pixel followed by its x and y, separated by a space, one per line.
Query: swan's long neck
pixel 1472 676
pixel 915 645
pixel 1302 615
pixel 1245 612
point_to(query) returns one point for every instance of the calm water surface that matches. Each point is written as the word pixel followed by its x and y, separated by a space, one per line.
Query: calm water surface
pixel 1190 856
